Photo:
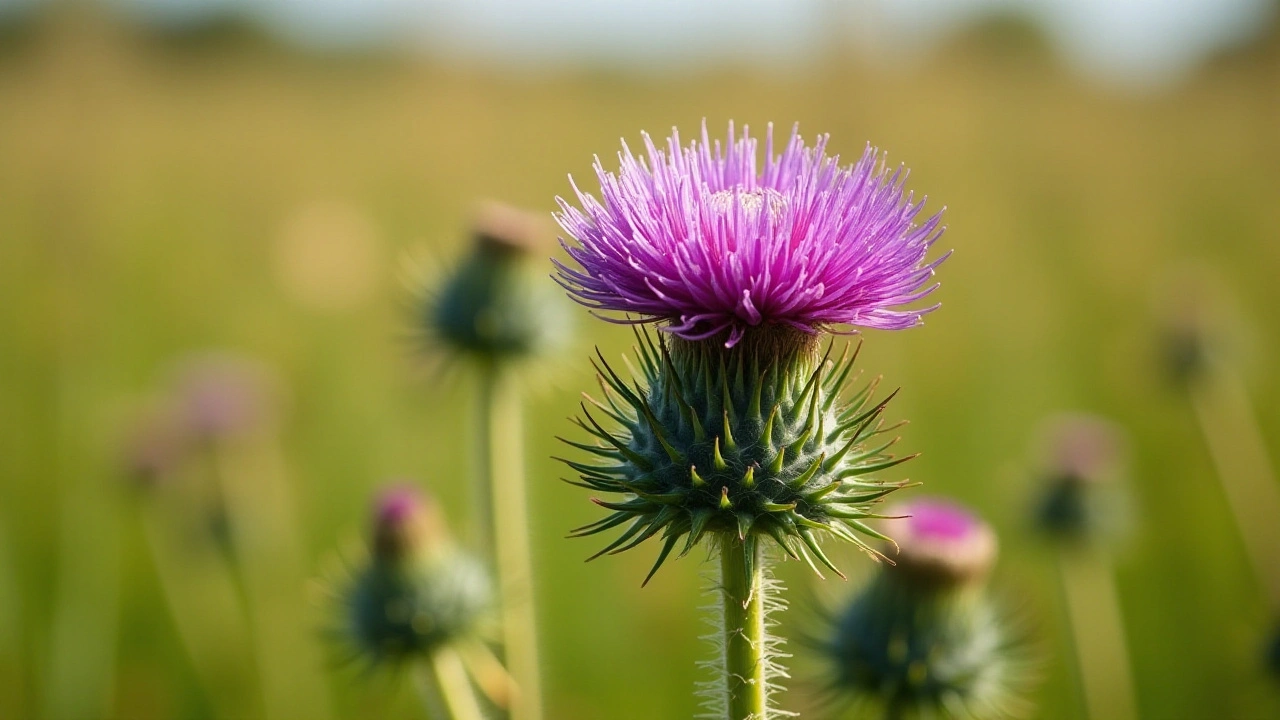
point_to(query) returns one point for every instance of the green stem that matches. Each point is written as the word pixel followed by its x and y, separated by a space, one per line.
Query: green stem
pixel 454 687
pixel 266 559
pixel 1097 627
pixel 502 443
pixel 1239 454
pixel 745 660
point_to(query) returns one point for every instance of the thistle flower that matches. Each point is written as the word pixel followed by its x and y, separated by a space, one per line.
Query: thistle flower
pixel 701 239
pixel 1084 457
pixel 418 592
pixel 922 639
pixel 494 305
pixel 737 433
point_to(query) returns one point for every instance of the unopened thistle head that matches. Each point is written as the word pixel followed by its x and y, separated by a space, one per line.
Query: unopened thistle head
pixel 737 432
pixel 705 240
pixel 418 591
pixel 922 639
pixel 1083 460
pixel 496 304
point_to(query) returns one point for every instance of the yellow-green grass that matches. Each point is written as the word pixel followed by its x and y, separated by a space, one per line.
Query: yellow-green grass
pixel 143 190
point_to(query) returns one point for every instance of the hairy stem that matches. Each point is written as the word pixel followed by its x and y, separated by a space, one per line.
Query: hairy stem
pixel 745 642
pixel 502 450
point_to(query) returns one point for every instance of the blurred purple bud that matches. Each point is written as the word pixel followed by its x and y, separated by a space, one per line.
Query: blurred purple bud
pixel 222 394
pixel 504 228
pixel 153 447
pixel 941 542
pixel 407 522
pixel 1083 448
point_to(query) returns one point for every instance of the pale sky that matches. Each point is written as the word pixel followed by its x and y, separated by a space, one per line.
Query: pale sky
pixel 1123 40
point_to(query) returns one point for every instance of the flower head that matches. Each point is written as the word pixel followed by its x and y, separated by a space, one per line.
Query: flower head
pixel 941 543
pixel 495 305
pixel 1082 497
pixel 922 638
pixel 701 238
pixel 417 591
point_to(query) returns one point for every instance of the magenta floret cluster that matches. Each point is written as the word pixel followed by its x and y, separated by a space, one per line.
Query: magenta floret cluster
pixel 705 240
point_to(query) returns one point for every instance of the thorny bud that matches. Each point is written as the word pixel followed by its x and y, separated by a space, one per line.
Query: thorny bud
pixel 419 591
pixel 1084 459
pixel 497 304
pixel 922 639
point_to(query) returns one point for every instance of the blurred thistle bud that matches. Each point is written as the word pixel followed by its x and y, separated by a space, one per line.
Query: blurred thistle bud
pixel 407 524
pixel 941 545
pixel 498 304
pixel 222 395
pixel 154 446
pixel 922 639
pixel 1185 345
pixel 419 591
pixel 1199 324
pixel 1083 463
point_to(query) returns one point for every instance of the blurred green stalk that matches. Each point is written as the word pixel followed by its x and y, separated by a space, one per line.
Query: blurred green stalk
pixel 205 607
pixel 263 534
pixel 454 686
pixel 501 445
pixel 1097 634
pixel 1239 455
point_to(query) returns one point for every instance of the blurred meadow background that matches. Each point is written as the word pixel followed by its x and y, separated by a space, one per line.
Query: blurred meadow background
pixel 233 180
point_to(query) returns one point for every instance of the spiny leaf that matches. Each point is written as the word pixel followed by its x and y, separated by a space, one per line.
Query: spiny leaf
pixel 662 557
pixel 806 535
pixel 637 459
pixel 864 469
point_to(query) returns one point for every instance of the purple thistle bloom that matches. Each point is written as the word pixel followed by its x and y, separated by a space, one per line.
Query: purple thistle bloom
pixel 701 238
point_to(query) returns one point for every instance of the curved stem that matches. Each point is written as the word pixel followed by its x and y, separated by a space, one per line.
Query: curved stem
pixel 502 450
pixel 745 641
pixel 454 687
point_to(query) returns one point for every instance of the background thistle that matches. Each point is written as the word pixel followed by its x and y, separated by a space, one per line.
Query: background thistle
pixel 739 445
pixel 420 602
pixel 922 639
pixel 496 305
pixel 418 592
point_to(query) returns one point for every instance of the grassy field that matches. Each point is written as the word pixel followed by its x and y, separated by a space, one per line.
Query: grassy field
pixel 147 193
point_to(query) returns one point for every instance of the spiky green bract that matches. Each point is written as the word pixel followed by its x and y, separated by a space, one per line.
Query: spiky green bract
pixel 739 444
pixel 400 609
pixel 906 650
